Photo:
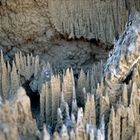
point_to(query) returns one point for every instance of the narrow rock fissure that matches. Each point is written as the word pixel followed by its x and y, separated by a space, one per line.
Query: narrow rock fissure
pixel 121 127
pixel 34 100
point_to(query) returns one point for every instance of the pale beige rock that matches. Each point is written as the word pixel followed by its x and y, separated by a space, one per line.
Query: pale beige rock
pixel 20 122
pixel 90 111
pixel 67 86
pixel 78 19
pixel 111 125
pixel 125 95
pixel 27 66
pixel 22 21
pixel 64 133
pixel 55 94
pixel 104 105
pixel 25 123
pixel 8 132
pixel 82 83
pixel 45 134
pixel 9 78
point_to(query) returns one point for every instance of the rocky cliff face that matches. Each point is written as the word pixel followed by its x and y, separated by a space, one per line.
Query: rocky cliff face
pixel 22 22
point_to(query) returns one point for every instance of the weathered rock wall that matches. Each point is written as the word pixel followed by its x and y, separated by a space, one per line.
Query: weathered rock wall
pixel 25 21
pixel 88 19
pixel 22 21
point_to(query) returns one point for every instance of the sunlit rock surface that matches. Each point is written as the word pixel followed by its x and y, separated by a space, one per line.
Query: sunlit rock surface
pixel 16 119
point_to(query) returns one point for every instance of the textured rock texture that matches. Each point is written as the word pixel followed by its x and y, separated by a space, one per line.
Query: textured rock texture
pixel 111 110
pixel 99 105
pixel 88 19
pixel 35 27
pixel 22 21
pixel 25 21
pixel 126 52
pixel 16 119
pixel 15 111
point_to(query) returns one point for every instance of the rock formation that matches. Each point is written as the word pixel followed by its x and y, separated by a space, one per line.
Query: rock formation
pixel 103 103
pixel 126 51
pixel 111 100
pixel 16 119
pixel 78 19
pixel 25 22
pixel 37 27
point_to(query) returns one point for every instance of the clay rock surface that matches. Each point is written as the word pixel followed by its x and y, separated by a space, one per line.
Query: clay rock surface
pixel 22 21
pixel 20 123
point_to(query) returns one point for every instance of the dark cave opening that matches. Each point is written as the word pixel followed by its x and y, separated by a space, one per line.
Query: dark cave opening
pixel 34 100
pixel 128 78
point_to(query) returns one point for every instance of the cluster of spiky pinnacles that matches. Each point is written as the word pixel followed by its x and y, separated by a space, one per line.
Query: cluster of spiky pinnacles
pixel 15 114
pixel 27 65
pixel 91 18
pixel 93 108
pixel 9 79
pixel 111 107
pixel 110 110
pixel 88 19
pixel 10 74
